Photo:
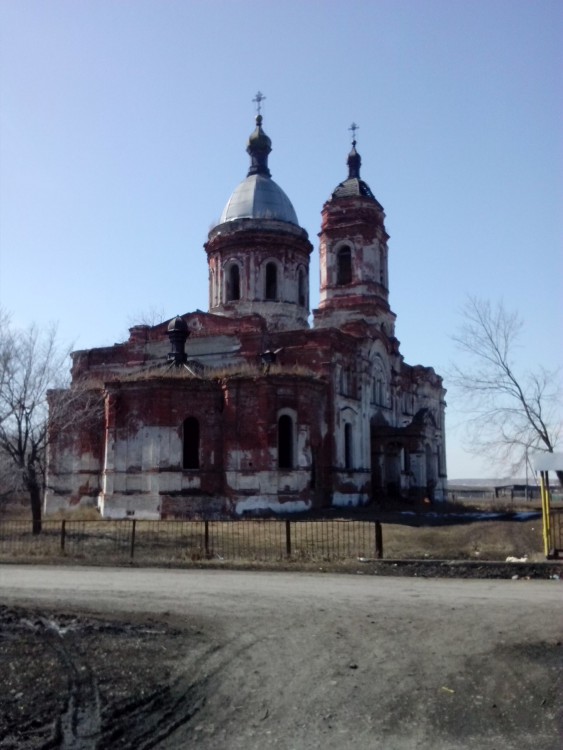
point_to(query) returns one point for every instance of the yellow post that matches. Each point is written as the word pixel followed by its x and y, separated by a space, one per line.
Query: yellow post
pixel 546 512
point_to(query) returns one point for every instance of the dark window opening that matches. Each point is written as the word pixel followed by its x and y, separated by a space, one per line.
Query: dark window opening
pixel 285 442
pixel 379 391
pixel 191 443
pixel 233 285
pixel 271 281
pixel 348 446
pixel 344 266
pixel 301 288
pixel 344 381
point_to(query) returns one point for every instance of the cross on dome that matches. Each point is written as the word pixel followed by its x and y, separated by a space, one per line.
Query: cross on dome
pixel 258 99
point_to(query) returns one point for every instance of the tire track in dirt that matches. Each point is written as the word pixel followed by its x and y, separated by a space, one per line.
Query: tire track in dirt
pixel 86 718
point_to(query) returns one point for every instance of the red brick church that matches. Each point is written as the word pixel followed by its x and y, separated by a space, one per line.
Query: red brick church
pixel 249 407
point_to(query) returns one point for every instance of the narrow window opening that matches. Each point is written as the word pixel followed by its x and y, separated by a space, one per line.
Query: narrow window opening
pixel 191 443
pixel 379 392
pixel 212 287
pixel 301 288
pixel 233 286
pixel 348 446
pixel 271 281
pixel 344 266
pixel 346 381
pixel 285 442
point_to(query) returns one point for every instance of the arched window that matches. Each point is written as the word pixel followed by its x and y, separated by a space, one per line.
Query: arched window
pixel 301 297
pixel 233 283
pixel 379 382
pixel 285 442
pixel 190 439
pixel 271 287
pixel 344 266
pixel 348 456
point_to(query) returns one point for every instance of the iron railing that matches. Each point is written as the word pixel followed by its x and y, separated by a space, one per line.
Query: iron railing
pixel 255 540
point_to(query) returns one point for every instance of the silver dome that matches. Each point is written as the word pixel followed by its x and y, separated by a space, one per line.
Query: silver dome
pixel 259 197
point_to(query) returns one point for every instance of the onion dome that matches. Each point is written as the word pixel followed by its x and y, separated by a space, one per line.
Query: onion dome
pixel 258 196
pixel 259 146
pixel 177 324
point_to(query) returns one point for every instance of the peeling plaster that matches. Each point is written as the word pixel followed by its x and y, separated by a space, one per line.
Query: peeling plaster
pixel 266 504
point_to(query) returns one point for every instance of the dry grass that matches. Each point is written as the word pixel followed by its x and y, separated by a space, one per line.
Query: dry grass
pixel 485 540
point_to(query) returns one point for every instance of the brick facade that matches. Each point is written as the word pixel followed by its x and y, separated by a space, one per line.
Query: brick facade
pixel 263 413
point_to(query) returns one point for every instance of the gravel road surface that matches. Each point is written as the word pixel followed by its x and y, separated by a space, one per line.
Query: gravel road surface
pixel 152 658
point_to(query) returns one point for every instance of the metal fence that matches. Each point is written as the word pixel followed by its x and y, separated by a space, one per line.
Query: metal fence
pixel 555 541
pixel 251 540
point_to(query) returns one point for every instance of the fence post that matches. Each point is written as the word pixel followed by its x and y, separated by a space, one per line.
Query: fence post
pixel 288 538
pixel 206 538
pixel 133 538
pixel 378 540
pixel 63 535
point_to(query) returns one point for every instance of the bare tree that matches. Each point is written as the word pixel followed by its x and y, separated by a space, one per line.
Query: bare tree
pixel 151 316
pixel 31 362
pixel 510 412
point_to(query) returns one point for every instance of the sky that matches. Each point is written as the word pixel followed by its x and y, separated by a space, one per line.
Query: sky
pixel 123 128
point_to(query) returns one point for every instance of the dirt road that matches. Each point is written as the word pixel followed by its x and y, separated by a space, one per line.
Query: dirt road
pixel 148 658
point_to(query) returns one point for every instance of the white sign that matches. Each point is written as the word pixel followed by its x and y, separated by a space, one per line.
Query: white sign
pixel 548 461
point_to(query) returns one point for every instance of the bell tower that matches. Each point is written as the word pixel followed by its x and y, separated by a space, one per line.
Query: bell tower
pixel 354 255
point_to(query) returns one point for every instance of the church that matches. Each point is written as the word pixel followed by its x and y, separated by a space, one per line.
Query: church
pixel 259 406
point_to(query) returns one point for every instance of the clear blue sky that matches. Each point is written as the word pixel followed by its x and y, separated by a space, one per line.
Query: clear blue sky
pixel 123 127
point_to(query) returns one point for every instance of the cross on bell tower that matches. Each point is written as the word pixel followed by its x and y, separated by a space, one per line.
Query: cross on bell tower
pixel 353 128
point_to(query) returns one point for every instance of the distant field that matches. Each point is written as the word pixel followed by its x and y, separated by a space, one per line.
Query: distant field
pixel 495 489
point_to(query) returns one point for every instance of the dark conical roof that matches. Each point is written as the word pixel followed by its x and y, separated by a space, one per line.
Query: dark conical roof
pixel 354 162
pixel 354 186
